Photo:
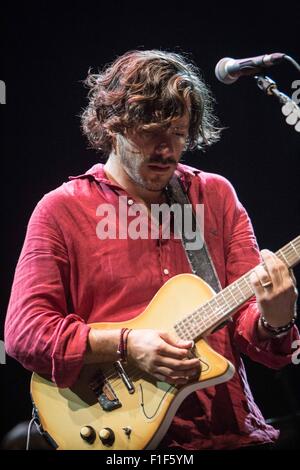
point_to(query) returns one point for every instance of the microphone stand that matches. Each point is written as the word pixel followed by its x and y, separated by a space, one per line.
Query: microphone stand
pixel 292 422
pixel 289 108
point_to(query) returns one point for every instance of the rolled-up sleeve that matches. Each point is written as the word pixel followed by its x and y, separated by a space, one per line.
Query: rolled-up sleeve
pixel 40 330
pixel 241 256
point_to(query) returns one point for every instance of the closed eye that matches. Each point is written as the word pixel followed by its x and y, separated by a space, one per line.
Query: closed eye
pixel 180 135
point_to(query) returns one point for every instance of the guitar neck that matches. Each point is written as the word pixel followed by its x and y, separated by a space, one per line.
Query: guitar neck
pixel 217 310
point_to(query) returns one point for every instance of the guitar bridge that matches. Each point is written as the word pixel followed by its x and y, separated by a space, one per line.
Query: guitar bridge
pixel 104 392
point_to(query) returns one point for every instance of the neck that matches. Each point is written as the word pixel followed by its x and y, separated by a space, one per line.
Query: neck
pixel 115 172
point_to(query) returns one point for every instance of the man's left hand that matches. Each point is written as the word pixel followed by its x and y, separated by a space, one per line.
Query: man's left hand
pixel 275 289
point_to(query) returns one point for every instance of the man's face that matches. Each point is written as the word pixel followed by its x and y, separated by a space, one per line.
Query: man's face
pixel 150 158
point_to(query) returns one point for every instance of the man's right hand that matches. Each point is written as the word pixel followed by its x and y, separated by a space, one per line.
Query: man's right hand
pixel 163 355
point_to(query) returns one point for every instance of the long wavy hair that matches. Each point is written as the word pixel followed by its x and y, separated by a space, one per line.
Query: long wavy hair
pixel 147 90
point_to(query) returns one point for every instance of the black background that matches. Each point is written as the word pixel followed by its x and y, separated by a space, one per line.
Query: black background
pixel 47 49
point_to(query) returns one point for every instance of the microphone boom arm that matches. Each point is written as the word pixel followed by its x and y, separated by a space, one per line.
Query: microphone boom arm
pixel 289 109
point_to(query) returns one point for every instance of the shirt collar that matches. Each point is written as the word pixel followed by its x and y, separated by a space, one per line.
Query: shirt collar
pixel 96 172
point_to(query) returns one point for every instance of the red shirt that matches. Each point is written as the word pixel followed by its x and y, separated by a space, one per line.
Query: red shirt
pixel 68 277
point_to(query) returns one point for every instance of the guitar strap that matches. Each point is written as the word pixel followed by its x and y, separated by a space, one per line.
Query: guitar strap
pixel 192 239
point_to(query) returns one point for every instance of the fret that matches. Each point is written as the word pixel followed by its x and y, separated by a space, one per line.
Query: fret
pixel 240 295
pixel 236 291
pixel 201 327
pixel 295 249
pixel 211 304
pixel 297 241
pixel 184 327
pixel 224 298
pixel 216 306
pixel 220 306
pixel 216 300
pixel 178 330
pixel 216 316
pixel 193 325
pixel 201 314
pixel 206 314
pixel 289 254
pixel 246 281
pixel 187 334
pixel 280 253
pixel 206 317
pixel 229 289
pixel 230 301
pixel 243 294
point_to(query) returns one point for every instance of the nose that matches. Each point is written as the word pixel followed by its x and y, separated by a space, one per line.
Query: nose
pixel 165 149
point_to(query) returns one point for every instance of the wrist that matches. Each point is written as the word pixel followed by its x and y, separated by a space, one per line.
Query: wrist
pixel 122 350
pixel 275 331
pixel 101 346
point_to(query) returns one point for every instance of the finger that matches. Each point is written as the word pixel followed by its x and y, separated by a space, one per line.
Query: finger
pixel 175 341
pixel 165 377
pixel 273 266
pixel 173 364
pixel 256 284
pixel 172 376
pixel 175 382
pixel 262 275
pixel 179 349
pixel 292 276
pixel 194 375
pixel 177 374
pixel 292 283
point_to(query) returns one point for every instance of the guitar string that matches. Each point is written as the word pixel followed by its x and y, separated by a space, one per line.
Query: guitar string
pixel 202 310
pixel 139 375
pixel 119 384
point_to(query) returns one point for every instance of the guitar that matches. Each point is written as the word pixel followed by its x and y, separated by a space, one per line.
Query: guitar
pixel 120 407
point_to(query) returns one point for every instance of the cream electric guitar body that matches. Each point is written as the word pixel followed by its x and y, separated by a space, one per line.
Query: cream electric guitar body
pixel 120 407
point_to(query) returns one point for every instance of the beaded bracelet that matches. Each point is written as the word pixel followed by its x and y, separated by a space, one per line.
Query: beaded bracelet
pixel 280 330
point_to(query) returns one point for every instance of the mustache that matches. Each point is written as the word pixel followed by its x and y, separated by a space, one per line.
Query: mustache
pixel 161 161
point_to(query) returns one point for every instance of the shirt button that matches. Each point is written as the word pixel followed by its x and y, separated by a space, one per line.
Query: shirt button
pixel 166 271
pixel 130 202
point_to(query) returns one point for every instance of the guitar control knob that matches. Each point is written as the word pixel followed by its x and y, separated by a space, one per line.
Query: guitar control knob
pixel 88 434
pixel 107 436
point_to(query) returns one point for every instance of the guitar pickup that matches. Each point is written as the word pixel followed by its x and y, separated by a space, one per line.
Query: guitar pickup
pixel 123 375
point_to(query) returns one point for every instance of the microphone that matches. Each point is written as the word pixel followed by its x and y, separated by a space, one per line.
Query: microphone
pixel 228 70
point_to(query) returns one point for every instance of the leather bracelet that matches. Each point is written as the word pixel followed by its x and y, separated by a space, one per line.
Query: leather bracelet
pixel 122 348
pixel 280 330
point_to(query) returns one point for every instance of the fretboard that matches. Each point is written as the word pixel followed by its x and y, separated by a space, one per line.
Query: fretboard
pixel 221 306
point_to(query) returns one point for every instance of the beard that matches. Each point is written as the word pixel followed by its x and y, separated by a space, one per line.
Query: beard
pixel 134 163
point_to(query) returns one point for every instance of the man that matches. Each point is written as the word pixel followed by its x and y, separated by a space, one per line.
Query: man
pixel 144 111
